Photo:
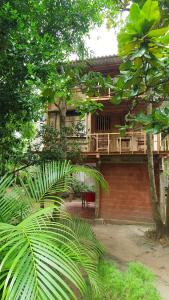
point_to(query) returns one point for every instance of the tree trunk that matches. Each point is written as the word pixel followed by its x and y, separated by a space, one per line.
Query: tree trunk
pixel 62 114
pixel 167 211
pixel 63 134
pixel 154 199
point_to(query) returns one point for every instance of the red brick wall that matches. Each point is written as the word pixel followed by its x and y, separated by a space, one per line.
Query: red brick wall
pixel 128 196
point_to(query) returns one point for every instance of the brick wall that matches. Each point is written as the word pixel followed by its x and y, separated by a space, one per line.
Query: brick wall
pixel 128 196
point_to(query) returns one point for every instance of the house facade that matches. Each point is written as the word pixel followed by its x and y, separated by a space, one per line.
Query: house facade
pixel 121 159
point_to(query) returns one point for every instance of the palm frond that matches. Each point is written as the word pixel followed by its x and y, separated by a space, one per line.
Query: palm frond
pixel 54 178
pixel 5 183
pixel 85 235
pixel 48 182
pixel 14 206
pixel 92 172
pixel 40 258
pixel 41 265
pixel 90 249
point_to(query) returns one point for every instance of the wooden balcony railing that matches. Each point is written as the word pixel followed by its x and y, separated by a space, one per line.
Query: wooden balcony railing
pixel 165 144
pixel 114 143
pixel 98 93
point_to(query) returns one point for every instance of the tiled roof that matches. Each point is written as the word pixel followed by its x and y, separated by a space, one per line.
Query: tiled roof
pixel 103 60
pixel 99 60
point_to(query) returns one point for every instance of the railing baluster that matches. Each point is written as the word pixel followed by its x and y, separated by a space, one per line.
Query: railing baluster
pixel 132 142
pixel 145 145
pixel 97 142
pixel 120 143
pixel 158 142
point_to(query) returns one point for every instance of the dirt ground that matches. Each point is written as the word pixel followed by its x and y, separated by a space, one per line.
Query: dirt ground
pixel 126 243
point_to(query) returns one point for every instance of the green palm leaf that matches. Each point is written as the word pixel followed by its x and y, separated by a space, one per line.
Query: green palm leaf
pixel 5 183
pixel 39 260
pixel 89 247
pixel 54 178
pixel 42 259
pixel 14 206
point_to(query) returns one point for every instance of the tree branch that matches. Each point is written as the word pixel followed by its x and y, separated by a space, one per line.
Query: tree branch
pixel 148 87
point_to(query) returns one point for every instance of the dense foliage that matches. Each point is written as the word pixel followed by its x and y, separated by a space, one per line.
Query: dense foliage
pixel 45 254
pixel 35 38
pixel 53 144
pixel 143 47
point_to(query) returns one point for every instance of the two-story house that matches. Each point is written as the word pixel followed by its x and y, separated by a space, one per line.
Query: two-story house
pixel 121 159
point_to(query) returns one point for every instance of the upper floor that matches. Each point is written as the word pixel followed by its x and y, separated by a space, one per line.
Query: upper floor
pixel 100 132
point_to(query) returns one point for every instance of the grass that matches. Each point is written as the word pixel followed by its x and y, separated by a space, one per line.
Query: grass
pixel 136 283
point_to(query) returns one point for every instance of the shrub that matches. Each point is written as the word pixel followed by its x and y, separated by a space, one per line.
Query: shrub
pixel 136 283
pixel 79 186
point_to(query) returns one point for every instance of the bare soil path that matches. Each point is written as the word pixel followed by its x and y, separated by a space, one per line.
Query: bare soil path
pixel 126 243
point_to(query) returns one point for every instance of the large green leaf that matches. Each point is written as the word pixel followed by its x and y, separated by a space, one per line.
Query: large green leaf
pixel 134 13
pixel 158 32
pixel 151 10
pixel 139 23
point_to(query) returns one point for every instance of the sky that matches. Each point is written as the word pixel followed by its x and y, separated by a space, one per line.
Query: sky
pixel 102 41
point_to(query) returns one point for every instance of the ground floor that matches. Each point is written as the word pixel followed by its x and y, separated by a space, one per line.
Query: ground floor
pixel 128 195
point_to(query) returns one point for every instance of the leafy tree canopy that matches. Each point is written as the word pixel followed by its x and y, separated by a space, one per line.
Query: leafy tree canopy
pixel 35 38
pixel 144 71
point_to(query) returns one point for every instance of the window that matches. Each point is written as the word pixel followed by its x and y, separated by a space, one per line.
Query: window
pixel 103 123
pixel 72 118
pixel 72 113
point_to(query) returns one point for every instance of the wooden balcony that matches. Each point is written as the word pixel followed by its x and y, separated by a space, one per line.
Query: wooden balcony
pixel 115 143
pixel 132 143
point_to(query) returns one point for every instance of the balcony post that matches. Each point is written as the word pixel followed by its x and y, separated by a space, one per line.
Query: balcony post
pixel 120 144
pixel 158 142
pixel 88 142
